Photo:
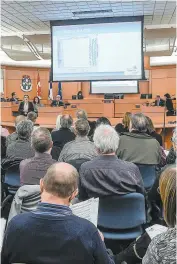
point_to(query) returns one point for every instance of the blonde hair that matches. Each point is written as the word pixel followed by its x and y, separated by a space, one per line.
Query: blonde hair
pixel 126 119
pixel 167 187
pixel 58 125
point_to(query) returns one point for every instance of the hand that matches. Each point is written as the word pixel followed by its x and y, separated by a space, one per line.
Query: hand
pixel 101 235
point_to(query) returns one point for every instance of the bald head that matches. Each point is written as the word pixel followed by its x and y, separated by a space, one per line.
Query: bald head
pixel 19 119
pixel 61 180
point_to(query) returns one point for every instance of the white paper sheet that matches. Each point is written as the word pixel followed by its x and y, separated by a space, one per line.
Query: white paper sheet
pixel 156 230
pixel 87 209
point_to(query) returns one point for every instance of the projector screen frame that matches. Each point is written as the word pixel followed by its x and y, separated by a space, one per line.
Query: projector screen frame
pixel 99 20
pixel 138 90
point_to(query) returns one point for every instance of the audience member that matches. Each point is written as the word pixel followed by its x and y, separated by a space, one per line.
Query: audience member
pixel 64 134
pixel 58 102
pixel 124 126
pixel 81 147
pixel 52 234
pixel 33 169
pixel 4 132
pixel 21 148
pixel 82 114
pixel 3 147
pixel 151 131
pixel 102 121
pixel 171 157
pixel 137 146
pixel 159 101
pixel 153 194
pixel 14 97
pixel 32 116
pixel 13 137
pixel 162 249
pixel 169 104
pixel 25 107
pixel 106 174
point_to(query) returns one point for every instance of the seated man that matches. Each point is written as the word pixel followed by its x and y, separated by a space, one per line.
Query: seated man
pixel 57 102
pixel 52 234
pixel 2 97
pixel 14 97
pixel 82 114
pixel 63 135
pixel 21 148
pixel 81 147
pixel 33 169
pixel 13 137
pixel 137 146
pixel 159 101
pixel 106 174
pixel 32 116
pixel 26 106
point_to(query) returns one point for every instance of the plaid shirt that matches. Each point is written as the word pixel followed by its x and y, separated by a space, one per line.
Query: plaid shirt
pixel 80 148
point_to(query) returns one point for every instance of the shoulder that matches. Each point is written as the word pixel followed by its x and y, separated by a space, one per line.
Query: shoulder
pixel 89 164
pixel 84 225
pixel 19 222
pixel 23 163
pixel 162 247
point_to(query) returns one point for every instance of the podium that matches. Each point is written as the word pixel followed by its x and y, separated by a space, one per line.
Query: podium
pixel 6 112
pixel 108 108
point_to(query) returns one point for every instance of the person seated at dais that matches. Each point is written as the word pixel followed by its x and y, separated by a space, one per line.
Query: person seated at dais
pixel 57 102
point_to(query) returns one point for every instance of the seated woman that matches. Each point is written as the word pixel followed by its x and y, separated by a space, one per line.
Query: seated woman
pixel 124 126
pixel 36 104
pixel 162 248
pixel 79 95
pixel 151 131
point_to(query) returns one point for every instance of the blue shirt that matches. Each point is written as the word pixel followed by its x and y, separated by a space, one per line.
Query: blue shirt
pixel 53 235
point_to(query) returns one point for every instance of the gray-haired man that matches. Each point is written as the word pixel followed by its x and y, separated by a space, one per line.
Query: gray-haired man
pixel 33 169
pixel 106 174
pixel 81 147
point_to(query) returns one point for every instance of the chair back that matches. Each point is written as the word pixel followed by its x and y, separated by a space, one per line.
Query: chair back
pixel 122 212
pixel 77 163
pixel 26 199
pixel 55 152
pixel 12 176
pixel 148 173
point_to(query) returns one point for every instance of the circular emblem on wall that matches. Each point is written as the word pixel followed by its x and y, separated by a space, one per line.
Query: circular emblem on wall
pixel 26 85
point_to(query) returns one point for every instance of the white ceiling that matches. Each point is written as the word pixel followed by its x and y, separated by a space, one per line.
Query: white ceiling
pixel 29 17
pixel 22 19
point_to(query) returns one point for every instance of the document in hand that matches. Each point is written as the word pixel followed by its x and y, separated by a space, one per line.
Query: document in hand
pixel 87 209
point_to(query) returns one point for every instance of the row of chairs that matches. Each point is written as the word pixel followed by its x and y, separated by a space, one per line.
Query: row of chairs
pixel 11 177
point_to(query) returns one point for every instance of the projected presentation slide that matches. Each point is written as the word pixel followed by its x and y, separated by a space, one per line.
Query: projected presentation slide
pixel 103 51
pixel 114 87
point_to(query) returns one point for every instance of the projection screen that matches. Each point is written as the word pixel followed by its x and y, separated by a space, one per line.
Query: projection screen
pixel 97 49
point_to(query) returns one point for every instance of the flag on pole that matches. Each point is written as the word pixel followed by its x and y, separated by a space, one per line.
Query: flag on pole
pixel 38 86
pixel 50 91
pixel 60 90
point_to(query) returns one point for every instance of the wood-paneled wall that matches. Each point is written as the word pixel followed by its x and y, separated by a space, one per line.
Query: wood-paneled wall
pixel 162 79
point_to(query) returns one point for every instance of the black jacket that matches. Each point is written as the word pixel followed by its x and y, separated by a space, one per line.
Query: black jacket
pixel 62 136
pixel 57 103
pixel 161 103
pixel 21 108
pixel 13 100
